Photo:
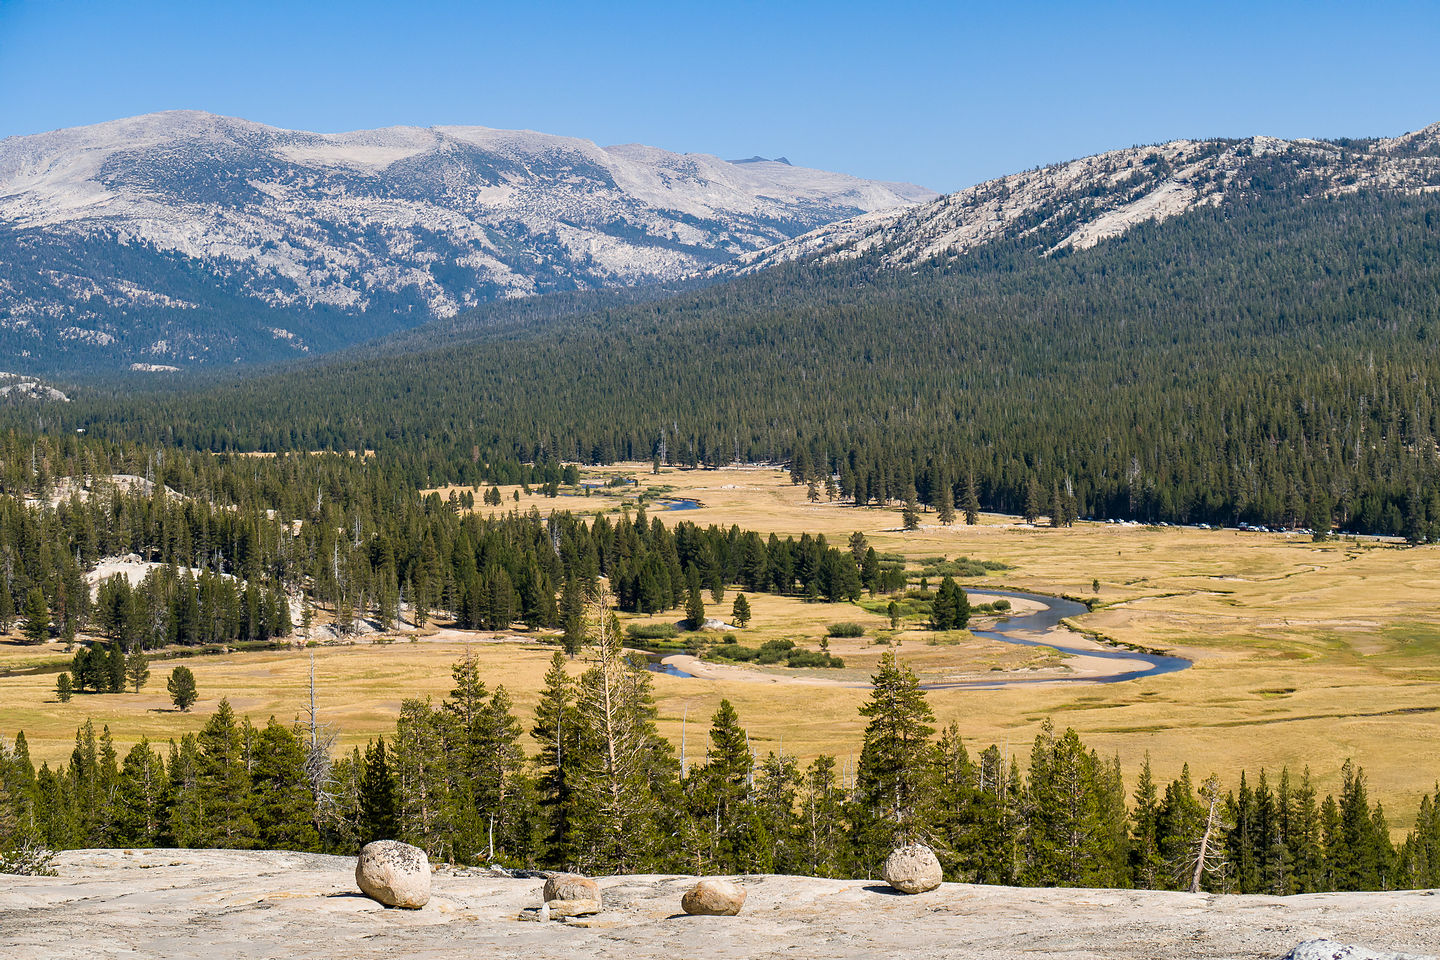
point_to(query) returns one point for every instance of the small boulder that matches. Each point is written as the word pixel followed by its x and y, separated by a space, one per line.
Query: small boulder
pixel 571 886
pixel 560 909
pixel 913 868
pixel 713 897
pixel 394 873
pixel 1330 950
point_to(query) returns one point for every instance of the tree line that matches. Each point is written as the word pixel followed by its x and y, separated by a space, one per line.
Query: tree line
pixel 245 549
pixel 591 785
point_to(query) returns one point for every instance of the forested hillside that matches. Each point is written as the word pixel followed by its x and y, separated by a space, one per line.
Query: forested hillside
pixel 1270 358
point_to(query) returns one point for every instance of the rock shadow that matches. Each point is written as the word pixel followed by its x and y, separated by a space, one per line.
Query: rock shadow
pixel 886 890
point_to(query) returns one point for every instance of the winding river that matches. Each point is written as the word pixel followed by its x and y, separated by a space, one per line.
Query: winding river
pixel 1031 630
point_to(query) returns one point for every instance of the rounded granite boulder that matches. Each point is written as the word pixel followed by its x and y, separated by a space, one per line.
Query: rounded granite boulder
pixel 394 873
pixel 713 897
pixel 570 886
pixel 913 868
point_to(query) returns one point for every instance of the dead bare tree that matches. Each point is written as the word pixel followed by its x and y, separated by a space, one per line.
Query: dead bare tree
pixel 319 747
pixel 1208 855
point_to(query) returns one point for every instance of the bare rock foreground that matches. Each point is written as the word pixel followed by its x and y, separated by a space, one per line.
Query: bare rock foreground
pixel 215 904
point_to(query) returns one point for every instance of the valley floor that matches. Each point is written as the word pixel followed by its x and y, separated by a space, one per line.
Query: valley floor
pixel 220 904
pixel 1304 653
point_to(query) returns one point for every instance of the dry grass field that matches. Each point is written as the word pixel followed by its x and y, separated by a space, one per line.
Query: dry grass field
pixel 1304 653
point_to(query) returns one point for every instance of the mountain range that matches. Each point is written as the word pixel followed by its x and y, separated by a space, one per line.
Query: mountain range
pixel 184 239
pixel 1075 205
pixel 179 238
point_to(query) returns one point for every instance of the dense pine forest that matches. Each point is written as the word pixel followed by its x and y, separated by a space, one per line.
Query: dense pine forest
pixel 236 542
pixel 1270 359
pixel 592 786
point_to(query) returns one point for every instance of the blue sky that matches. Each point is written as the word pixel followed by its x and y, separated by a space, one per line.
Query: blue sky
pixel 944 94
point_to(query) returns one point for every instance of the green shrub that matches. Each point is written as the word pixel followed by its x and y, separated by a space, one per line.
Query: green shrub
pixel 845 630
pixel 733 652
pixel 773 651
pixel 959 567
pixel 813 658
pixel 652 631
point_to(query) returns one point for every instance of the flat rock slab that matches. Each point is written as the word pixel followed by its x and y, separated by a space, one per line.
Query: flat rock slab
pixel 215 905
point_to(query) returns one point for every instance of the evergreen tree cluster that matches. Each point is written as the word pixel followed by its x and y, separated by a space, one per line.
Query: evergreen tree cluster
pixel 236 541
pixel 592 786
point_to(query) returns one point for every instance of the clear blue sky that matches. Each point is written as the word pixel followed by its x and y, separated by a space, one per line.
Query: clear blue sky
pixel 944 94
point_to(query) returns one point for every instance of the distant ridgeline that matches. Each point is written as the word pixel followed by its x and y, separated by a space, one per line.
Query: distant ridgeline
pixel 1270 359
pixel 605 793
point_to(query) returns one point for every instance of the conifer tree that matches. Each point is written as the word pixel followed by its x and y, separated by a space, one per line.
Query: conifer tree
pixel 1207 854
pixel 114 669
pixel 720 792
pixel 775 824
pixel 181 686
pixel 504 795
pixel 556 732
pixel 1147 865
pixel 37 617
pixel 972 501
pixel 896 762
pixel 425 778
pixel 63 687
pixel 7 608
pixel 945 500
pixel 1032 501
pixel 1306 838
pixel 859 546
pixel 225 783
pixel 1069 838
pixel 378 820
pixel 107 811
pixel 824 842
pixel 740 610
pixel 622 765
pixel 910 513
pixel 85 784
pixel 284 806
pixel 870 571
pixel 341 821
pixel 137 669
pixel 572 614
pixel 951 608
pixel 185 813
pixel 141 797
pixel 1359 852
pixel 694 608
